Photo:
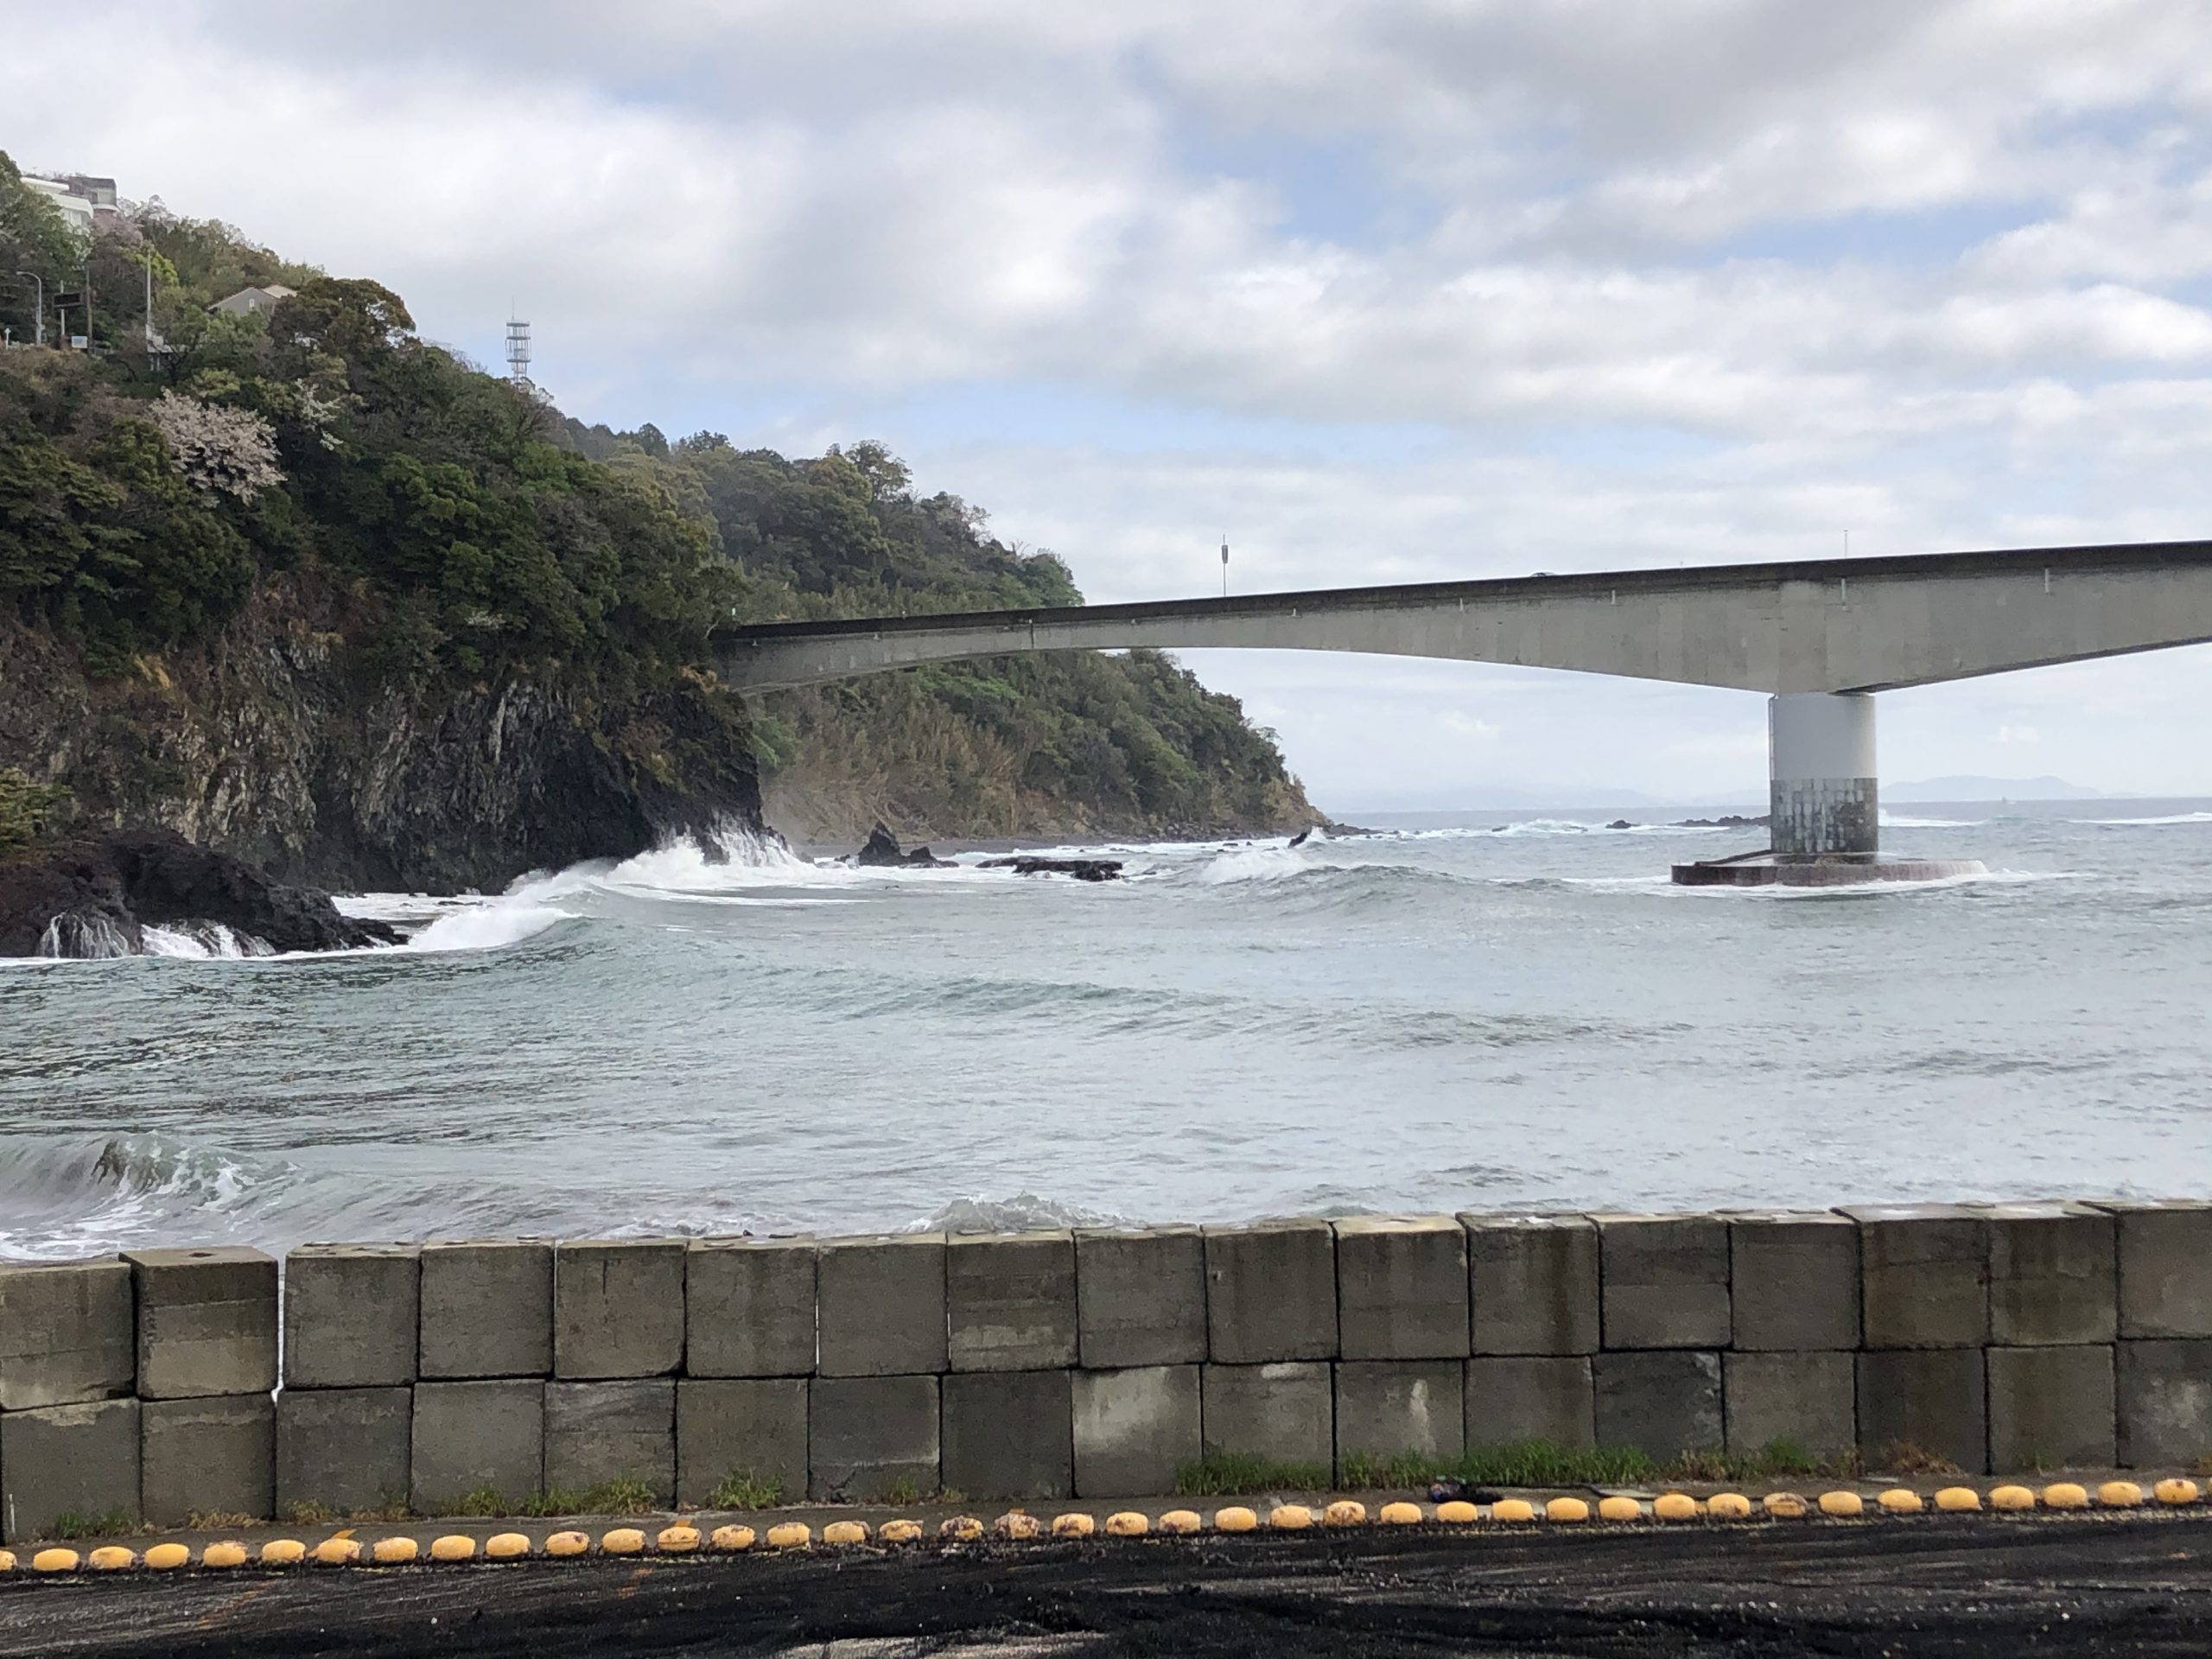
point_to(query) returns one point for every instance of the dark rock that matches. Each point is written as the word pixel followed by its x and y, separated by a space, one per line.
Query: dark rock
pixel 1083 869
pixel 883 850
pixel 98 893
pixel 1727 821
pixel 1620 824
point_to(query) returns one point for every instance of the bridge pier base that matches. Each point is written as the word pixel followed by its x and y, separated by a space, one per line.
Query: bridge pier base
pixel 1823 805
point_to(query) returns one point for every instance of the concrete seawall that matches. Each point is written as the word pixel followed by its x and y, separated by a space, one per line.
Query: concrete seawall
pixel 1091 1362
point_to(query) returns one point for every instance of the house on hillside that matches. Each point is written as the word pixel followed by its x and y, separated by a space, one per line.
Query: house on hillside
pixel 261 300
pixel 77 211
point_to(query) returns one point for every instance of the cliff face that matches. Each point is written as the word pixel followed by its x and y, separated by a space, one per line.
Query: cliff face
pixel 270 740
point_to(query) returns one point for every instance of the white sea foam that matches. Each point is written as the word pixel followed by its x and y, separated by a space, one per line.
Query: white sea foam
pixel 2170 819
pixel 1894 821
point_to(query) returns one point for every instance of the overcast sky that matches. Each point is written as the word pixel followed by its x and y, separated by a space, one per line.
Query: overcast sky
pixel 1386 291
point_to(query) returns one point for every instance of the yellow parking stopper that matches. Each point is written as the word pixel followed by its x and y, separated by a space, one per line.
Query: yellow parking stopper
pixel 1566 1509
pixel 2175 1492
pixel 112 1558
pixel 1458 1512
pixel 1400 1514
pixel 960 1528
pixel 1900 1500
pixel 678 1540
pixel 453 1547
pixel 164 1558
pixel 2012 1498
pixel 7 1560
pixel 1842 1505
pixel 2119 1495
pixel 388 1551
pixel 1127 1524
pixel 1344 1512
pixel 1512 1510
pixel 1617 1508
pixel 790 1534
pixel 1728 1506
pixel 845 1532
pixel 55 1560
pixel 2065 1495
pixel 222 1554
pixel 1074 1524
pixel 1290 1517
pixel 622 1540
pixel 1017 1523
pixel 568 1543
pixel 1958 1500
pixel 506 1547
pixel 1785 1506
pixel 731 1539
pixel 283 1552
pixel 331 1551
pixel 1235 1518
pixel 1674 1506
pixel 899 1532
pixel 1180 1521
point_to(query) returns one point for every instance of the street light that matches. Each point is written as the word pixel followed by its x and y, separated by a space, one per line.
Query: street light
pixel 38 317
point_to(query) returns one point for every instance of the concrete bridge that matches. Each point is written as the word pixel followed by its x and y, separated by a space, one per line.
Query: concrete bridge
pixel 1819 637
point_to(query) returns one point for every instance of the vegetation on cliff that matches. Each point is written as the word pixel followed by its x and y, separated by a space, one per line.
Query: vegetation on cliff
pixel 314 468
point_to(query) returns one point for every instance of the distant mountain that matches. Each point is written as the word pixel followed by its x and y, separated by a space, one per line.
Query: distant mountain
pixel 1989 789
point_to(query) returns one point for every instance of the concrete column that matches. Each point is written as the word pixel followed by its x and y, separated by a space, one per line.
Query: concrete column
pixel 1821 791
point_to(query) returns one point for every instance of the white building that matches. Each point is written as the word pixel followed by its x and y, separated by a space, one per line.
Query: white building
pixel 77 211
pixel 263 300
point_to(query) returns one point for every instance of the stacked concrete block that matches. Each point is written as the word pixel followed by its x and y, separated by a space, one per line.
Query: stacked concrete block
pixel 1010 1302
pixel 482 1436
pixel 1806 1398
pixel 749 1308
pixel 1402 1288
pixel 748 1429
pixel 1794 1281
pixel 1923 1276
pixel 882 1308
pixel 1532 1284
pixel 2163 1392
pixel 351 1315
pixel 1010 1434
pixel 2051 1408
pixel 1388 1408
pixel 618 1307
pixel 601 1433
pixel 1271 1293
pixel 342 1451
pixel 63 1461
pixel 1141 1297
pixel 487 1309
pixel 68 1333
pixel 874 1436
pixel 1660 1400
pixel 1133 1429
pixel 2053 1274
pixel 1664 1281
pixel 2163 1252
pixel 1281 1414
pixel 207 1343
pixel 1923 1401
pixel 1516 1397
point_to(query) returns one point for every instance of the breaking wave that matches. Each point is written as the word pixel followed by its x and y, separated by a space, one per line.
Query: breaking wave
pixel 2169 818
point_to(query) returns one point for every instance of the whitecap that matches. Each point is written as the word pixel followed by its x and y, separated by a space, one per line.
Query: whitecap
pixel 2170 819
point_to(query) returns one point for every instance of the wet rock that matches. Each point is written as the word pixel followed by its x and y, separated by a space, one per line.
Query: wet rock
pixel 97 895
pixel 882 851
pixel 1083 869
pixel 1727 821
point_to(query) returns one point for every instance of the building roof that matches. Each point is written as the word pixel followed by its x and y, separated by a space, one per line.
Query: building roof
pixel 252 299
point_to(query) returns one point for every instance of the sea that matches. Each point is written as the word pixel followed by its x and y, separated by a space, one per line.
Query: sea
pixel 1481 1012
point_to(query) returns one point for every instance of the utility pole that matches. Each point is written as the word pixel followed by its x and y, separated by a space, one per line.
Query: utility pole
pixel 38 315
pixel 1224 564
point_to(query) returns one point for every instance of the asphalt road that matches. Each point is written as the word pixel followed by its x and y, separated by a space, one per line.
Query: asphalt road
pixel 1936 1585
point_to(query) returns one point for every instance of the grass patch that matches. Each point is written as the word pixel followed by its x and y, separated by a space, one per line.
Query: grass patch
pixel 1903 1457
pixel 745 1491
pixel 219 1521
pixel 107 1523
pixel 309 1514
pixel 612 1497
pixel 901 1490
pixel 1229 1474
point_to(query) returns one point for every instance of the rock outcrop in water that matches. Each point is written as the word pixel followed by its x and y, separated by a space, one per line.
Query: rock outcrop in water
pixel 882 852
pixel 1083 869
pixel 95 896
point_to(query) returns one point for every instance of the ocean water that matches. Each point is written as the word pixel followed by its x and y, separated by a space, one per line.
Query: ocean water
pixel 1514 1010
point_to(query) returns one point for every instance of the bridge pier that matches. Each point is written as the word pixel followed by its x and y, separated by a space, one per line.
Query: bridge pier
pixel 1824 806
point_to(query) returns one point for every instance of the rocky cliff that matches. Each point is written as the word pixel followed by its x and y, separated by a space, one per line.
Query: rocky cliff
pixel 272 740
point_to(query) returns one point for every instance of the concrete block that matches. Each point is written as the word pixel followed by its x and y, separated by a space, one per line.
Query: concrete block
pixel 868 1435
pixel 343 1450
pixel 1402 1288
pixel 1386 1408
pixel 207 1455
pixel 753 1429
pixel 1930 1399
pixel 1271 1291
pixel 2051 1408
pixel 2053 1275
pixel 1512 1398
pixel 487 1308
pixel 2164 1397
pixel 351 1315
pixel 1665 1280
pixel 79 1460
pixel 207 1322
pixel 1923 1276
pixel 2165 1257
pixel 1793 1279
pixel 618 1307
pixel 1010 1302
pixel 1664 1401
pixel 1810 1400
pixel 882 1305
pixel 1283 1413
pixel 749 1308
pixel 1532 1284
pixel 1009 1435
pixel 68 1333
pixel 1133 1429
pixel 621 1429
pixel 1141 1297
pixel 476 1436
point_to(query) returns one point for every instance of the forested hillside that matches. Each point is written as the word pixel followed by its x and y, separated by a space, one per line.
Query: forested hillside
pixel 305 585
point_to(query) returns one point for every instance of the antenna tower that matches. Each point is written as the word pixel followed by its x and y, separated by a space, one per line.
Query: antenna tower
pixel 518 353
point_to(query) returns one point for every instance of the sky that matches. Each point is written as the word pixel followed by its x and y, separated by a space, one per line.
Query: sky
pixel 1394 290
